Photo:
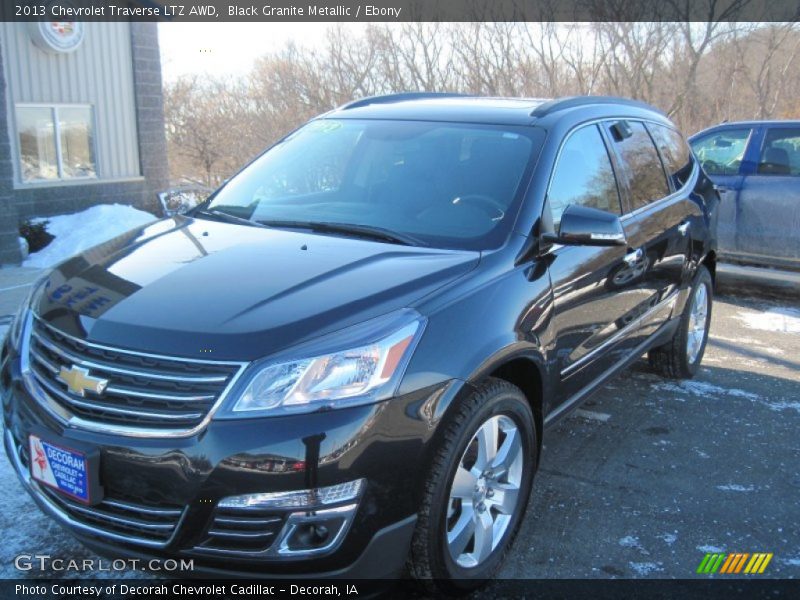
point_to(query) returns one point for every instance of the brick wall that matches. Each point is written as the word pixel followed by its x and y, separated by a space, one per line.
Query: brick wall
pixel 9 220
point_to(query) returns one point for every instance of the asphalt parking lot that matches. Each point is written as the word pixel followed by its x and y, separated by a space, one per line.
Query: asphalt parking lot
pixel 643 481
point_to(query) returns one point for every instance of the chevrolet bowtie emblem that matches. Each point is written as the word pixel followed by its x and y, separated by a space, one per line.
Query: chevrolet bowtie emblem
pixel 78 381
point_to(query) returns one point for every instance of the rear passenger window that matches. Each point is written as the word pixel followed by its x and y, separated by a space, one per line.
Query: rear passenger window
pixel 583 175
pixel 674 151
pixel 780 154
pixel 645 172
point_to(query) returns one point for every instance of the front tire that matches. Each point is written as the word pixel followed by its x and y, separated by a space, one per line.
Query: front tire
pixel 476 491
pixel 680 358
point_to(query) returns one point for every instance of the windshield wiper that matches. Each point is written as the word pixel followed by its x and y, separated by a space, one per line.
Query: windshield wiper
pixel 218 215
pixel 367 231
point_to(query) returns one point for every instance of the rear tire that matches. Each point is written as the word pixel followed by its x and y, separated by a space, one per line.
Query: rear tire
pixel 476 491
pixel 680 358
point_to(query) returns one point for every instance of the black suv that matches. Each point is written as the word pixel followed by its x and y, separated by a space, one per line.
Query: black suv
pixel 343 363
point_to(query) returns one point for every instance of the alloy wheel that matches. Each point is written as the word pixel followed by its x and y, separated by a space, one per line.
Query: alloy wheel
pixel 485 491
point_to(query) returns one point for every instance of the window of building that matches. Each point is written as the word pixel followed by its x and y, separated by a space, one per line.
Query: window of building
pixel 583 175
pixel 56 142
pixel 780 154
pixel 646 176
pixel 675 153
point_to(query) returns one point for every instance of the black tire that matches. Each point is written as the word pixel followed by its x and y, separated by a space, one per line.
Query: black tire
pixel 672 359
pixel 430 561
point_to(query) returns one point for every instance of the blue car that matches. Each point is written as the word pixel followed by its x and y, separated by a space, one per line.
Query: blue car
pixel 756 168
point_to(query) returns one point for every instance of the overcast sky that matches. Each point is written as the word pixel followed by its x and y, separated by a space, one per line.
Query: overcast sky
pixel 228 48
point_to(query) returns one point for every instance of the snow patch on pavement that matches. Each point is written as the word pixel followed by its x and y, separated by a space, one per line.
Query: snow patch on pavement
pixel 785 320
pixel 710 549
pixel 792 562
pixel 80 231
pixel 704 389
pixel 669 538
pixel 631 541
pixel 735 487
pixel 645 568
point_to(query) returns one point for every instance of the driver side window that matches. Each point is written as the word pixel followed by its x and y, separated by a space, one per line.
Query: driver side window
pixel 583 175
pixel 721 153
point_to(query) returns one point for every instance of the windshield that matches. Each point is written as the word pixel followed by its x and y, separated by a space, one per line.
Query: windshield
pixel 447 185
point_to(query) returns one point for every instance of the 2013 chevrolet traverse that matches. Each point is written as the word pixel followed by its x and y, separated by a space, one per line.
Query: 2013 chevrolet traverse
pixel 343 363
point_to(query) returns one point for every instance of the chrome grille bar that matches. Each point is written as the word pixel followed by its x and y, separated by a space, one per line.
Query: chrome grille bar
pixel 139 394
pixel 90 364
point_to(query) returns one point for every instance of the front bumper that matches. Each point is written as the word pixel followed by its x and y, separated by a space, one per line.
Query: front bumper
pixel 169 488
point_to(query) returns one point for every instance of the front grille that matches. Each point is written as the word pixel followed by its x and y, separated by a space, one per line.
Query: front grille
pixel 135 521
pixel 241 531
pixel 143 390
pixel 128 520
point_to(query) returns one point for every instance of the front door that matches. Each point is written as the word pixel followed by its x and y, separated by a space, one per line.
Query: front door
pixel 594 305
pixel 768 219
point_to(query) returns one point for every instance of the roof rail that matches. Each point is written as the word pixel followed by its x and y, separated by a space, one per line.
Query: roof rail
pixel 575 101
pixel 401 97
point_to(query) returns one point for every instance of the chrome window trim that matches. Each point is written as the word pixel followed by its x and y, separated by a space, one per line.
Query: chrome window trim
pixel 68 419
pixel 624 216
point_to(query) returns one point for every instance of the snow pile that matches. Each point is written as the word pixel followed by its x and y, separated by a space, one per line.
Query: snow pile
pixel 80 231
pixel 785 320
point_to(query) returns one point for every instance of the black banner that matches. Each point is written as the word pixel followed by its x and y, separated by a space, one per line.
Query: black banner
pixel 401 10
pixel 540 589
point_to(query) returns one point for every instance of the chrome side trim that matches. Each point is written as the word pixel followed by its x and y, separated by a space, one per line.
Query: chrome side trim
pixel 55 511
pixel 68 419
pixel 669 300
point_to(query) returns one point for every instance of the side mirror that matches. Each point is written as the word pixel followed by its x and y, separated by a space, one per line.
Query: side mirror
pixel 584 226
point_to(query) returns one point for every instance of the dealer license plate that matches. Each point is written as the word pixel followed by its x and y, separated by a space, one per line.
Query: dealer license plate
pixel 60 468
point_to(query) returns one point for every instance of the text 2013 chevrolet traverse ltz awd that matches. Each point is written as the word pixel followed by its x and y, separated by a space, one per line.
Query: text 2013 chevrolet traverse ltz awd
pixel 343 363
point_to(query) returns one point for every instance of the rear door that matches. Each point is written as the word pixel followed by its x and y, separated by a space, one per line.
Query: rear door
pixel 724 156
pixel 768 211
pixel 593 306
pixel 658 220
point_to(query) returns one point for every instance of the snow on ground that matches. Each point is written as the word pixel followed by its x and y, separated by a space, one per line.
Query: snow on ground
pixel 645 568
pixel 736 487
pixel 80 231
pixel 786 320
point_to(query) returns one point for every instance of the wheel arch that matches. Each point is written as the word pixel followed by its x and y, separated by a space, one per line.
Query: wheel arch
pixel 525 373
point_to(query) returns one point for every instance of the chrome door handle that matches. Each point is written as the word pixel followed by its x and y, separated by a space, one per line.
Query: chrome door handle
pixel 684 227
pixel 633 257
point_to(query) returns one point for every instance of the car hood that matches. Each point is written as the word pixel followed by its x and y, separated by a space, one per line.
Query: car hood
pixel 205 289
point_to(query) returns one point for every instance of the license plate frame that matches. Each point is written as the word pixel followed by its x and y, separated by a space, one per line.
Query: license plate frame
pixel 69 468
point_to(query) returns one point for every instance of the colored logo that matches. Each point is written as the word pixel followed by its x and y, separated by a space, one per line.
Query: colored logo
pixel 734 563
pixel 79 380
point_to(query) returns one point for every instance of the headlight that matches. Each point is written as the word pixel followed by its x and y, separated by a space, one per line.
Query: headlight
pixel 358 374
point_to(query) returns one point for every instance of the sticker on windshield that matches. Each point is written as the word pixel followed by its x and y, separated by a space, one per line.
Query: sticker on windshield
pixel 324 126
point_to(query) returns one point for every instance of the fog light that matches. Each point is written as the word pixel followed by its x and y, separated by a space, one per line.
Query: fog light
pixel 324 496
pixel 315 532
